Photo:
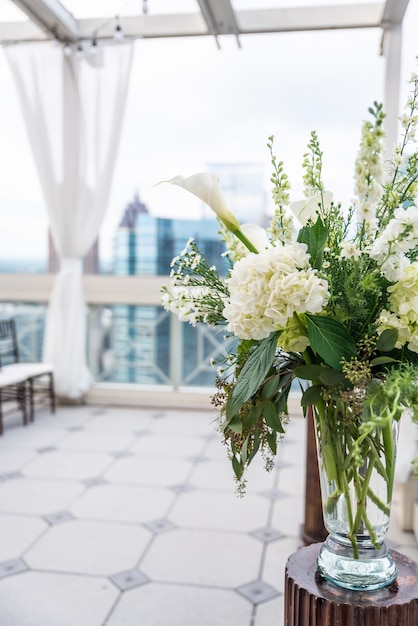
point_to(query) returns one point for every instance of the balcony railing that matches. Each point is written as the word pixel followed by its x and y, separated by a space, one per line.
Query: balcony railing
pixel 133 345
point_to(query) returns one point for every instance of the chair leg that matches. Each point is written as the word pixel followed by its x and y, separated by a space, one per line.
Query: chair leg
pixel 31 401
pixel 52 398
pixel 1 413
pixel 21 396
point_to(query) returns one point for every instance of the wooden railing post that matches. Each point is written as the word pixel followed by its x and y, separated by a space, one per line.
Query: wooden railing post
pixel 313 530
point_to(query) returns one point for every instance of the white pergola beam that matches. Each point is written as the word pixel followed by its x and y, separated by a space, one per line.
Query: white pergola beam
pixel 311 18
pixel 51 16
pixel 394 11
pixel 55 19
pixel 219 16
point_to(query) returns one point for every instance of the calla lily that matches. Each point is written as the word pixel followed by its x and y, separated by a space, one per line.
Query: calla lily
pixel 310 208
pixel 256 234
pixel 207 187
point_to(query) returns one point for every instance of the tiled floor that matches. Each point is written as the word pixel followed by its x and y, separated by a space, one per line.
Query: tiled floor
pixel 128 517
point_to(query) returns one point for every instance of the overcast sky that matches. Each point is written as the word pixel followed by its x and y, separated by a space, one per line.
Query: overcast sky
pixel 190 104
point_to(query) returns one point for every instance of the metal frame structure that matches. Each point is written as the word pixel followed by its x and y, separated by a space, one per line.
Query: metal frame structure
pixel 49 19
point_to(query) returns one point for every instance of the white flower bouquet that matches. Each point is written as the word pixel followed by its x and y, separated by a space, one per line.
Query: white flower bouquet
pixel 326 296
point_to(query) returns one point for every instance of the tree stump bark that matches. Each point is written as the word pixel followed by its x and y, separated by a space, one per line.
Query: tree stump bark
pixel 312 601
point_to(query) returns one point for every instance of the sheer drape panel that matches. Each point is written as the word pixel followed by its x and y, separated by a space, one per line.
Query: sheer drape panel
pixel 73 109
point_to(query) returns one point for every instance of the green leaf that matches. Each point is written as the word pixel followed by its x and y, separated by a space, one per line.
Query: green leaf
pixel 315 237
pixel 382 360
pixel 235 425
pixel 387 340
pixel 230 412
pixel 280 401
pixel 286 381
pixel 238 467
pixel 308 372
pixel 329 376
pixel 254 370
pixel 271 386
pixel 272 417
pixel 330 340
pixel 311 395
pixel 252 416
pixel 255 447
pixel 272 441
pixel 244 450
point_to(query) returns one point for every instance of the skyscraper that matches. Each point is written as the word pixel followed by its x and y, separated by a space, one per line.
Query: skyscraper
pixel 145 245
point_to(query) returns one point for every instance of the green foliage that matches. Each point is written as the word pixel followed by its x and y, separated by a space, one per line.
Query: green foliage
pixel 254 371
pixel 315 237
pixel 330 340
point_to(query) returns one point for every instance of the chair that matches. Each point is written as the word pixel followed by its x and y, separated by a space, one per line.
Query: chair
pixel 38 377
pixel 12 389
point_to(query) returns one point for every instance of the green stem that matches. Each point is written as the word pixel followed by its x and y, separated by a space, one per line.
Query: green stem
pixel 247 243
pixel 389 450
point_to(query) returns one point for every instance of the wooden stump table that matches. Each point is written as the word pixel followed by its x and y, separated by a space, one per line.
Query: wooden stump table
pixel 312 601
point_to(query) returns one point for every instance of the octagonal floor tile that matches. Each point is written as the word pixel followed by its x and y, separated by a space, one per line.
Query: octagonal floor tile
pixel 277 554
pixel 220 510
pixel 37 496
pixel 203 557
pixel 35 436
pixel 89 547
pixel 13 459
pixel 45 599
pixel 101 441
pixel 123 503
pixel 271 612
pixel 150 470
pixel 184 423
pixel 288 514
pixel 17 533
pixel 218 474
pixel 113 419
pixel 65 464
pixel 168 445
pixel 173 605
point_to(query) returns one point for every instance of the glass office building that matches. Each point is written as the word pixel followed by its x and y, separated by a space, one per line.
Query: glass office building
pixel 145 245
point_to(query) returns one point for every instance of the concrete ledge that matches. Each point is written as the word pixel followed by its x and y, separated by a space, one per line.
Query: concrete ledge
pixel 158 396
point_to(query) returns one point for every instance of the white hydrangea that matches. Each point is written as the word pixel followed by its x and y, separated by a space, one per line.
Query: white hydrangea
pixel 399 236
pixel 403 314
pixel 267 288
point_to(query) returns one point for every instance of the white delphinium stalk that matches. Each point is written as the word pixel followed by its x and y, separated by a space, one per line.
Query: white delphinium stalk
pixel 282 226
pixel 369 171
pixel 402 187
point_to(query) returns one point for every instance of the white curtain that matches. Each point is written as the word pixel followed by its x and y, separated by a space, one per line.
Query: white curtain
pixel 73 109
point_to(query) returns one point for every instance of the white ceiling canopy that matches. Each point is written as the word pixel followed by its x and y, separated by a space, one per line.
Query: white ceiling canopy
pixel 51 19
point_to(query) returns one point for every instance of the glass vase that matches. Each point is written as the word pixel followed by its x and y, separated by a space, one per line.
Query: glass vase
pixel 356 470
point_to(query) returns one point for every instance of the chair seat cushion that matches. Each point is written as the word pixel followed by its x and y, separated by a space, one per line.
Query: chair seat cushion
pixel 29 370
pixel 8 378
